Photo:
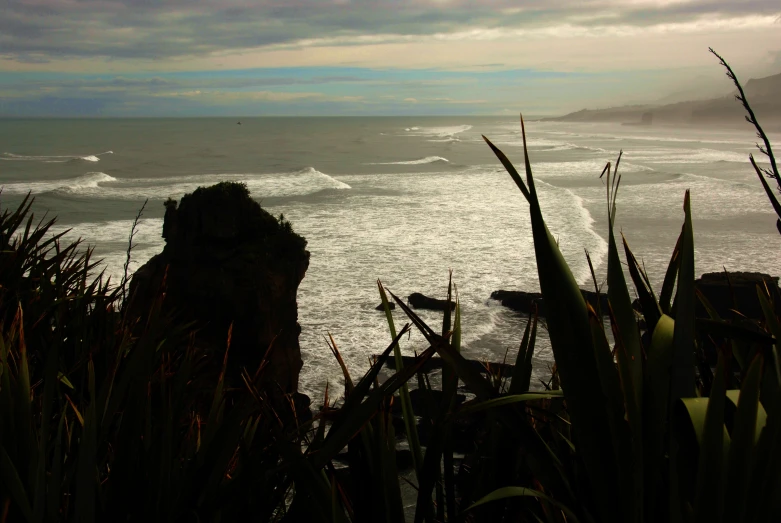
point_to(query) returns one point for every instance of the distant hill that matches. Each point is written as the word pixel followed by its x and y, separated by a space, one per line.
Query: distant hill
pixel 764 94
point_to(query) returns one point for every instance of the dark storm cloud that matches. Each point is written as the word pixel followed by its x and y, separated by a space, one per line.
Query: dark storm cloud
pixel 41 30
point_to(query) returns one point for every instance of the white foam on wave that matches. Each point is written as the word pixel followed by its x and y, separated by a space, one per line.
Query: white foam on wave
pixel 531 143
pixel 352 245
pixel 427 159
pixel 89 182
pixel 330 179
pixel 451 139
pixel 712 198
pixel 672 139
pixel 647 138
pixel 571 146
pixel 472 332
pixel 685 156
pixel 101 185
pixel 578 229
pixel 110 239
pixel 439 134
pixel 545 145
pixel 111 236
pixel 582 169
pixel 60 158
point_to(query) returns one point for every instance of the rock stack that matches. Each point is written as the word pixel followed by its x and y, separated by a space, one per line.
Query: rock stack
pixel 226 261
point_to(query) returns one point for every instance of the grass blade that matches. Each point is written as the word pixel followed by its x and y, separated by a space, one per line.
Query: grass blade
pixel 510 168
pixel 408 414
pixel 508 492
pixel 622 316
pixel 508 400
pixel 683 369
pixel 656 402
pixel 13 483
pixel 54 490
pixel 357 414
pixel 450 389
pixel 570 335
pixel 633 480
pixel 741 451
pixel 708 500
pixel 86 470
pixel 765 477
pixel 771 381
pixel 621 437
pixel 651 310
pixel 770 194
pixel 522 373
pixel 670 276
pixel 348 382
pixel 23 407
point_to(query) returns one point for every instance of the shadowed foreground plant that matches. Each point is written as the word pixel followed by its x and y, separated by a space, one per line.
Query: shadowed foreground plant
pixel 642 428
pixel 629 406
pixel 104 417
pixel 765 147
pixel 109 417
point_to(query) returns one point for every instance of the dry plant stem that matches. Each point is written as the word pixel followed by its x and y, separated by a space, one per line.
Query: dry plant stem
pixel 767 150
pixel 130 247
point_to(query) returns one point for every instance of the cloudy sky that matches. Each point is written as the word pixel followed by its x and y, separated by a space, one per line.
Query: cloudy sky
pixel 374 57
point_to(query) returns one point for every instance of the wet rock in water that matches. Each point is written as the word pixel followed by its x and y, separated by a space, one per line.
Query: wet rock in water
pixel 381 307
pixel 598 301
pixel 732 291
pixel 228 261
pixel 727 291
pixel 521 301
pixel 420 301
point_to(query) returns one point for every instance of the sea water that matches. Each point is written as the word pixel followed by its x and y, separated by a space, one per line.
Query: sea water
pixel 403 200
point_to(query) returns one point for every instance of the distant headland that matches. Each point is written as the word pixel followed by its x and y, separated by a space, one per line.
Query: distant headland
pixel 763 93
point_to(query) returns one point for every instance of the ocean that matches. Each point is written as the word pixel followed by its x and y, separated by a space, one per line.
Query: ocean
pixel 403 200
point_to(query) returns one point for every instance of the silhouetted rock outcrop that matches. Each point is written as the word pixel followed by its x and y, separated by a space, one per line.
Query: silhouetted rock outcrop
pixel 728 291
pixel 519 300
pixel 522 301
pixel 381 307
pixel 226 261
pixel 421 301
pixel 735 290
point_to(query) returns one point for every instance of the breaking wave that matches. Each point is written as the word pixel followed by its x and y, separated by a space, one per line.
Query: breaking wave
pixel 101 185
pixel 53 158
pixel 330 179
pixel 686 156
pixel 88 182
pixel 427 159
pixel 544 145
pixel 439 134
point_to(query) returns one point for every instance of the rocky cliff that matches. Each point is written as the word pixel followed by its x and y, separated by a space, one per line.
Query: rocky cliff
pixel 229 261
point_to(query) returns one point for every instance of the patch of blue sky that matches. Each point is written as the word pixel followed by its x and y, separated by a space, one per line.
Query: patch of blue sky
pixel 324 74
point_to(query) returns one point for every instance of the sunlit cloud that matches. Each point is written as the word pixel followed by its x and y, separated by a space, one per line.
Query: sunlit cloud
pixel 130 54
